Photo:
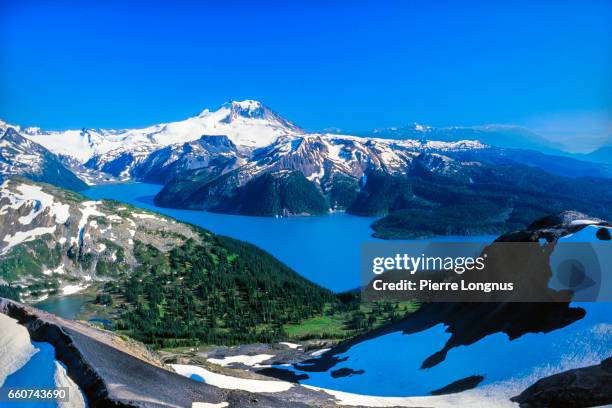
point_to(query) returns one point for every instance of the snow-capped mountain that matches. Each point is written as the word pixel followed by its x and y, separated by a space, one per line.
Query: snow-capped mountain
pixel 22 157
pixel 318 156
pixel 313 173
pixel 248 124
pixel 262 140
pixel 245 158
pixel 315 170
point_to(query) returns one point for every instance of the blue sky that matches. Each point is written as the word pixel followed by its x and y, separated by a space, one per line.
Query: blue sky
pixel 352 65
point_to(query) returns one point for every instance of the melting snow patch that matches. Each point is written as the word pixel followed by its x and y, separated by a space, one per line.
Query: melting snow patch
pixel 229 382
pixel 15 347
pixel 290 345
pixel 39 201
pixel 246 360
pixel 62 380
pixel 319 352
pixel 25 236
pixel 471 398
pixel 143 215
pixel 583 222
pixel 72 289
pixel 88 209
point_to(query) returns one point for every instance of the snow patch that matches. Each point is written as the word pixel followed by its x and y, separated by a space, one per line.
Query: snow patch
pixel 72 289
pixel 15 347
pixel 583 222
pixel 25 236
pixel 290 345
pixel 243 359
pixel 143 215
pixel 37 199
pixel 61 379
pixel 231 383
pixel 319 352
pixel 472 398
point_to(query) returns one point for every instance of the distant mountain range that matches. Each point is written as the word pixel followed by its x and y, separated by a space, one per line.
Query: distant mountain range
pixel 246 159
pixel 507 136
pixel 601 155
pixel 504 136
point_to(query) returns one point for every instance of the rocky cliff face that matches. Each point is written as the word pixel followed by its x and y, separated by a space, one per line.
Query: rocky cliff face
pixel 216 154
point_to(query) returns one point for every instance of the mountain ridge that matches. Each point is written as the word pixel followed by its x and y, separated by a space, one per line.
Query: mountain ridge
pixel 505 136
pixel 244 158
pixel 251 126
pixel 22 157
pixel 248 123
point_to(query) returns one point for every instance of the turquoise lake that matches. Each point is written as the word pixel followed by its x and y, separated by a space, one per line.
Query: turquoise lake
pixel 324 249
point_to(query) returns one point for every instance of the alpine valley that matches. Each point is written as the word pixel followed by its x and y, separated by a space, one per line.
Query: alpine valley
pixel 246 159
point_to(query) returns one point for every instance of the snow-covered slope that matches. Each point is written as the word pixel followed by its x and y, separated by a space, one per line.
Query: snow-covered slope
pixel 248 124
pixel 61 241
pixel 22 157
pixel 319 155
pixel 216 153
pixel 262 140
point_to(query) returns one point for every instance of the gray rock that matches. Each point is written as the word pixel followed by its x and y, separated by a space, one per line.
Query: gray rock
pixel 581 387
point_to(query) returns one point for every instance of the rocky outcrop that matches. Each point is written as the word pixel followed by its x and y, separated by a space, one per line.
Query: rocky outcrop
pixel 581 387
pixel 114 372
pixel 215 154
pixel 50 237
pixel 555 226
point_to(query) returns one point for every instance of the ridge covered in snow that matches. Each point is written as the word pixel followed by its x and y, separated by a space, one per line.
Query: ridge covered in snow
pixel 247 123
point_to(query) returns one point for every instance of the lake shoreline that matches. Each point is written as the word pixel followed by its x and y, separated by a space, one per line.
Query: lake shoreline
pixel 323 249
